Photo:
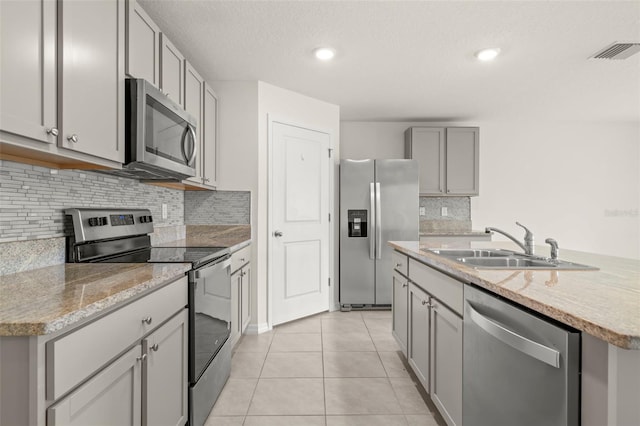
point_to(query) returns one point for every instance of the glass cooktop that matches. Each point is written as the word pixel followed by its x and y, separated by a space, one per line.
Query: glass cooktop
pixel 194 255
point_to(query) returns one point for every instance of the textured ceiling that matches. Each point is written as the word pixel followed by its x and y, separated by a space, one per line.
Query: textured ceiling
pixel 413 60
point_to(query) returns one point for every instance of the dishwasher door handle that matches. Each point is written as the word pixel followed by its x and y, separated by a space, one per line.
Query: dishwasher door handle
pixel 520 343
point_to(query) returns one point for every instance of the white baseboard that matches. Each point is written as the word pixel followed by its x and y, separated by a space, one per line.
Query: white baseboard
pixel 257 328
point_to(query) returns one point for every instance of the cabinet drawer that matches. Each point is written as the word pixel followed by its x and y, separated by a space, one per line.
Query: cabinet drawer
pixel 439 285
pixel 75 356
pixel 400 262
pixel 240 258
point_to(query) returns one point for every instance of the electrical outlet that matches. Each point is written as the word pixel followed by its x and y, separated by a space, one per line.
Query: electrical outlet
pixel 444 211
pixel 164 212
pixel 423 211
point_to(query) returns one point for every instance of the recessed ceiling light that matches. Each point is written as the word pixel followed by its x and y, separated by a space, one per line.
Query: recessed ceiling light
pixel 324 53
pixel 488 54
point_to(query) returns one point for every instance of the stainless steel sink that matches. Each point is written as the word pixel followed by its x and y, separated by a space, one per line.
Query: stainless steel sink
pixel 507 262
pixel 517 261
pixel 506 259
pixel 473 253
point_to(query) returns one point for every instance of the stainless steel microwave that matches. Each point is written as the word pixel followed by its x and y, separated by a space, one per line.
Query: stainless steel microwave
pixel 160 135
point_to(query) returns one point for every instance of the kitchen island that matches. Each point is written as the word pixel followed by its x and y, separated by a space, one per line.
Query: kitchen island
pixel 603 304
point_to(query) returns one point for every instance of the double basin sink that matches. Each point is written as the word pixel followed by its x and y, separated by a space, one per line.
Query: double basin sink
pixel 506 259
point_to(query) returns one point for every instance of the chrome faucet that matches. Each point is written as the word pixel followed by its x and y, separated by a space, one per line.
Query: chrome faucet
pixel 527 247
pixel 554 248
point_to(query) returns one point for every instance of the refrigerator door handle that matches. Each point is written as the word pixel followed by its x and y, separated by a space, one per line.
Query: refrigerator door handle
pixel 378 222
pixel 372 246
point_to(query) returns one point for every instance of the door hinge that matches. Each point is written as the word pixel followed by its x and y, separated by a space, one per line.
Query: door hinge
pixel 329 217
pixel 329 282
pixel 330 152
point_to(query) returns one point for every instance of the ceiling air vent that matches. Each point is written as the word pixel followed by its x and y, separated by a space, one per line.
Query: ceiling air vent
pixel 618 51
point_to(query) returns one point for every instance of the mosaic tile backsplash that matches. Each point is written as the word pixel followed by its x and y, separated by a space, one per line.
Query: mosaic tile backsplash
pixel 32 199
pixel 217 207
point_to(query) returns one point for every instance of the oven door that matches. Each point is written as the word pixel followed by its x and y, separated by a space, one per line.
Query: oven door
pixel 209 314
pixel 161 134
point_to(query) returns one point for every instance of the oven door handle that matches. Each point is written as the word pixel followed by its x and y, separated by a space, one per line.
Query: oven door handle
pixel 208 270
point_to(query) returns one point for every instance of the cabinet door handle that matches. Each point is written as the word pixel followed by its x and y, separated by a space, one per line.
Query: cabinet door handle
pixel 155 347
pixel 427 304
pixel 142 358
pixel 73 138
pixel 52 131
pixel 147 320
pixel 398 265
pixel 404 285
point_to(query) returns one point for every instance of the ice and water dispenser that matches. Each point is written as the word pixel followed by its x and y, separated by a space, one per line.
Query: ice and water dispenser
pixel 357 220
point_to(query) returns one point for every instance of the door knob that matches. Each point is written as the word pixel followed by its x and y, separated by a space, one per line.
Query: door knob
pixel 277 234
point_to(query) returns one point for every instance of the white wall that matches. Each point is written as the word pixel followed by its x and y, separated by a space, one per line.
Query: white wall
pixel 294 108
pixel 576 182
pixel 244 107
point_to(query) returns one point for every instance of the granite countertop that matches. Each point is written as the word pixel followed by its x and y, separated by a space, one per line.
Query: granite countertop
pixel 603 303
pixel 233 236
pixel 45 300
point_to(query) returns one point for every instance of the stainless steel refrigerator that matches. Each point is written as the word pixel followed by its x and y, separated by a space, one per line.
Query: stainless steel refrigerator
pixel 378 203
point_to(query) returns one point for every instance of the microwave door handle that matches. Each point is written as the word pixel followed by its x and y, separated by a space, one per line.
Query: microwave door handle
pixel 189 158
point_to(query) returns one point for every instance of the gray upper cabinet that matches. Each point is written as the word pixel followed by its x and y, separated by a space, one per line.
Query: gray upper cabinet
pixel 171 70
pixel 448 157
pixel 143 45
pixel 194 105
pixel 210 137
pixel 91 77
pixel 28 69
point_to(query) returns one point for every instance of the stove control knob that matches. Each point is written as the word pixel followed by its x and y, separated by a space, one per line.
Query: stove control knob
pixel 146 219
pixel 98 221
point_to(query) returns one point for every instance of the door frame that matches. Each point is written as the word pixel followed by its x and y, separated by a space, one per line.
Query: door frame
pixel 271 120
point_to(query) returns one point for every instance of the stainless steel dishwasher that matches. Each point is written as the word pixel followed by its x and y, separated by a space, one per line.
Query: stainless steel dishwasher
pixel 519 369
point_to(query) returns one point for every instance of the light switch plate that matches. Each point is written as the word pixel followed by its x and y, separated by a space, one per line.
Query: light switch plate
pixel 423 211
pixel 444 211
pixel 164 211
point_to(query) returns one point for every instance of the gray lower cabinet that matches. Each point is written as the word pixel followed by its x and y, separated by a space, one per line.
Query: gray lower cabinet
pixel 128 367
pixel 112 397
pixel 399 307
pixel 418 351
pixel 236 321
pixel 245 296
pixel 28 69
pixel 427 307
pixel 91 77
pixel 165 373
pixel 448 158
pixel 240 301
pixel 446 362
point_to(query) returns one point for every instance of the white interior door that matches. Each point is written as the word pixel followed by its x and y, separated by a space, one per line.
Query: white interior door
pixel 299 208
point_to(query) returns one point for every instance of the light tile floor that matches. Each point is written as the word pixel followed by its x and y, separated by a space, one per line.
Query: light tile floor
pixel 331 369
